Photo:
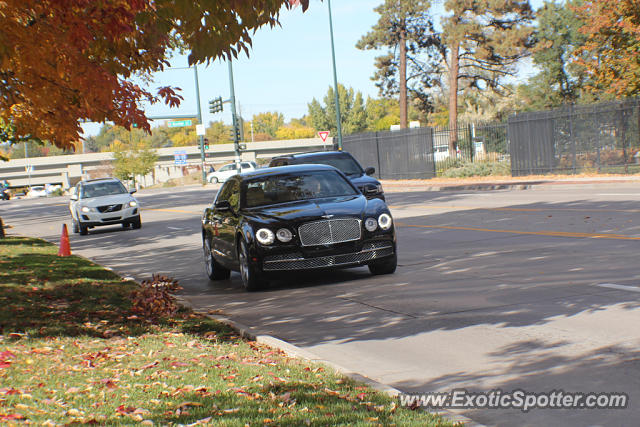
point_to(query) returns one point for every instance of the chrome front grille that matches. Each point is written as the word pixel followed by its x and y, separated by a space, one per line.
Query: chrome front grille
pixel 109 208
pixel 296 261
pixel 329 231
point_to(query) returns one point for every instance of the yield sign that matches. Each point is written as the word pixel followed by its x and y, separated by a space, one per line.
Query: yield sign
pixel 323 134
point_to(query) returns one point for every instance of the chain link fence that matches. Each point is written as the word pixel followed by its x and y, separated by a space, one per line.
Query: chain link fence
pixel 599 138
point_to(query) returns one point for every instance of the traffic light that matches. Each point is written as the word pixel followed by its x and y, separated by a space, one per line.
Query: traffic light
pixel 215 105
pixel 234 132
pixel 206 143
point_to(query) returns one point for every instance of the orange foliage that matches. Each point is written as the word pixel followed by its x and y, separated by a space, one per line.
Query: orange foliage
pixel 64 61
pixel 611 51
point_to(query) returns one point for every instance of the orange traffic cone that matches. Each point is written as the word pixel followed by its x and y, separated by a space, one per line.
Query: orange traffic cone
pixel 65 248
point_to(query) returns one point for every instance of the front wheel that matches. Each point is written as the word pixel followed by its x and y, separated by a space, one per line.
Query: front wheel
pixel 214 270
pixel 136 223
pixel 83 229
pixel 213 180
pixel 386 266
pixel 252 278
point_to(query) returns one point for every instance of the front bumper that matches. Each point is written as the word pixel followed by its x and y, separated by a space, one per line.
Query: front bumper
pixel 373 250
pixel 93 219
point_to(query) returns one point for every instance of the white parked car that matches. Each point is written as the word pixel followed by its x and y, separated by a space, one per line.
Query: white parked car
pixel 227 171
pixel 103 201
pixel 36 191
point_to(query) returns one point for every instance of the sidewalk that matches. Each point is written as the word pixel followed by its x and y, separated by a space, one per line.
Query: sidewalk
pixel 501 183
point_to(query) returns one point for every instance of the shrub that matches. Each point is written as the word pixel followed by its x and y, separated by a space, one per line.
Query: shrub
pixel 478 169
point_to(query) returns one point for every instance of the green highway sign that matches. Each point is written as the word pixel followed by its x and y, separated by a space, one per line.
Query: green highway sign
pixel 179 123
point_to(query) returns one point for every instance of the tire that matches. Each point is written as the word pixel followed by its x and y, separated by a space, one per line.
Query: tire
pixel 214 270
pixel 136 223
pixel 252 279
pixel 83 229
pixel 74 226
pixel 387 266
pixel 213 180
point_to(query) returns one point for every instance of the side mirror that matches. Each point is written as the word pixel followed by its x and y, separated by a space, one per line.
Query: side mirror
pixel 133 190
pixel 74 197
pixel 223 206
pixel 370 190
pixel 370 170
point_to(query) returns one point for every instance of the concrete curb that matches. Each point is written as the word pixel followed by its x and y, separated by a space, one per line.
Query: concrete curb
pixel 391 186
pixel 293 351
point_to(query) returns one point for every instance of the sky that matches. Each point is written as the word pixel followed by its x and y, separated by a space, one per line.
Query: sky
pixel 288 66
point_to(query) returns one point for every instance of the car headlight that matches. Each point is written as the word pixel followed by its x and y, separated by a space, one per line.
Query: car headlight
pixel 384 221
pixel 133 203
pixel 265 236
pixel 370 224
pixel 85 209
pixel 284 235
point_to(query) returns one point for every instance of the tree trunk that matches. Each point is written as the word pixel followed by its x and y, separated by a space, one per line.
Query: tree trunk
pixel 403 79
pixel 453 99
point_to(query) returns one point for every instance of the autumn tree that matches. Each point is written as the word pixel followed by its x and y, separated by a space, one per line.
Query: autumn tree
pixel 485 39
pixel 406 29
pixel 610 53
pixel 135 158
pixel 66 61
pixel 268 123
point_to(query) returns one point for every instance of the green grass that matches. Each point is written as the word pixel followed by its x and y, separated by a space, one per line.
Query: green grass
pixel 71 352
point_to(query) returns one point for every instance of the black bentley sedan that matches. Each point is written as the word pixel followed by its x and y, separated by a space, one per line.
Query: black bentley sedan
pixel 290 218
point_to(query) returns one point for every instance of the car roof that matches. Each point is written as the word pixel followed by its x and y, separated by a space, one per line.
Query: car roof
pixel 87 181
pixel 313 154
pixel 285 169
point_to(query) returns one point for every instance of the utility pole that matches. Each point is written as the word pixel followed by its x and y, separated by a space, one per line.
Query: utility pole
pixel 204 173
pixel 335 80
pixel 234 117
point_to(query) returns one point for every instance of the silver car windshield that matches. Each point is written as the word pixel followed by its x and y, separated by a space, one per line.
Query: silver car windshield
pixel 100 189
pixel 284 188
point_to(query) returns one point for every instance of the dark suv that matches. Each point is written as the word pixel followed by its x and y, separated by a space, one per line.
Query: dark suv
pixel 341 160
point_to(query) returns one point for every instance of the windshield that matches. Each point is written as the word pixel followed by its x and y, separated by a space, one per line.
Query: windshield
pixel 284 188
pixel 346 163
pixel 100 189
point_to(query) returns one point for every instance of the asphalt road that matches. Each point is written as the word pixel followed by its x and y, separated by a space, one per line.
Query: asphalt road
pixel 536 290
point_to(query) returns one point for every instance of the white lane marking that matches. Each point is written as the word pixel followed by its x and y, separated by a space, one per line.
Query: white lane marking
pixel 631 193
pixel 174 228
pixel 619 287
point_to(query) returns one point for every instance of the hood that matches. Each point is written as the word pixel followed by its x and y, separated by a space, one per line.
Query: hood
pixel 360 181
pixel 308 210
pixel 113 199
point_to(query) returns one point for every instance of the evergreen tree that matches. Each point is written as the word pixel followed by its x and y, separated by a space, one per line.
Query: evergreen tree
pixel 406 29
pixel 485 39
pixel 352 112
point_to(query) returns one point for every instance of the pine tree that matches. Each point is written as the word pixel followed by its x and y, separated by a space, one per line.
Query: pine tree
pixel 485 39
pixel 406 29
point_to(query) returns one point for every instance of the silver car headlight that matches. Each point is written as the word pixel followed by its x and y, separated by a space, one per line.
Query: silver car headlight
pixel 284 235
pixel 265 236
pixel 133 204
pixel 384 221
pixel 85 209
pixel 370 224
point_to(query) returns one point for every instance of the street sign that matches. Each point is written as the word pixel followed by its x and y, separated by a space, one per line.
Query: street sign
pixel 323 134
pixel 200 130
pixel 179 123
pixel 180 158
